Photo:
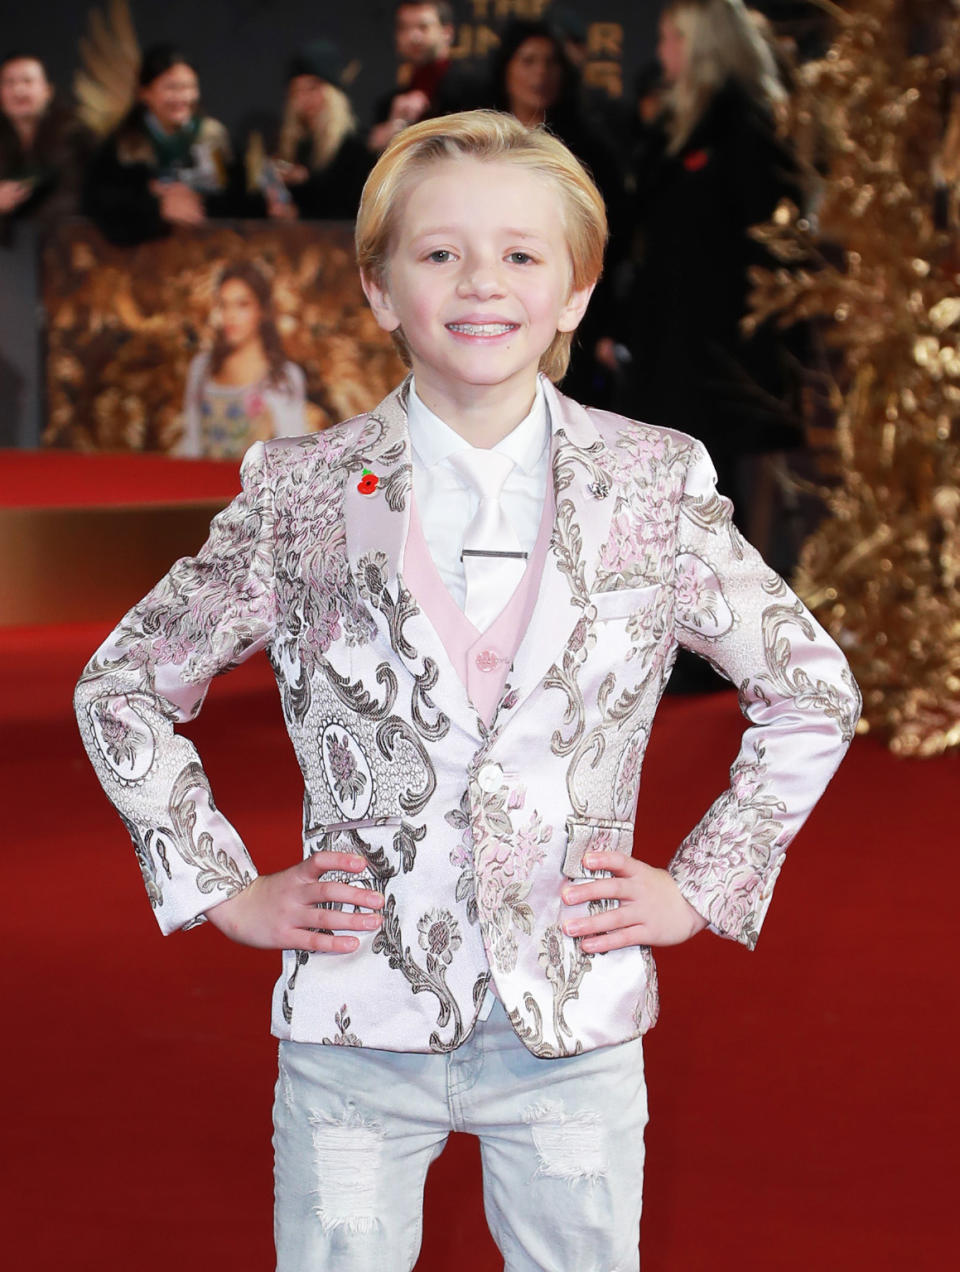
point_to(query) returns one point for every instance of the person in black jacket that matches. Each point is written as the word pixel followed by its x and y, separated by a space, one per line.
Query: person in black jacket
pixel 717 168
pixel 42 146
pixel 532 77
pixel 714 168
pixel 423 36
pixel 321 159
pixel 167 163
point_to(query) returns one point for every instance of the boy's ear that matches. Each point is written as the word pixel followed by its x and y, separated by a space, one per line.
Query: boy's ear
pixel 379 300
pixel 575 308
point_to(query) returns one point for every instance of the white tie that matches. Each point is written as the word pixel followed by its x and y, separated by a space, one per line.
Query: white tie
pixel 493 561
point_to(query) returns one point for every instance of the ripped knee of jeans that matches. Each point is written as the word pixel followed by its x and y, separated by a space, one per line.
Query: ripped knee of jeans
pixel 569 1145
pixel 346 1157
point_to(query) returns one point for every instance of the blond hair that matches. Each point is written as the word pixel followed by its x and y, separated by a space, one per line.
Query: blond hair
pixel 488 136
pixel 327 132
pixel 723 43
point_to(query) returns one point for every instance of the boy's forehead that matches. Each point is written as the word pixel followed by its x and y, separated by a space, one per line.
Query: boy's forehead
pixel 451 170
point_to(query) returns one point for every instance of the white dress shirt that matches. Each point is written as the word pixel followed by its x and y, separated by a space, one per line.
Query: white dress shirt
pixel 446 505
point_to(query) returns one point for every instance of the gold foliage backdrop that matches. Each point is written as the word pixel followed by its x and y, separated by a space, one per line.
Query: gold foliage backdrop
pixel 124 324
pixel 882 268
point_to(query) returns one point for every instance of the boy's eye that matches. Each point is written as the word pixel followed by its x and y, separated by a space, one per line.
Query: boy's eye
pixel 441 255
pixel 519 258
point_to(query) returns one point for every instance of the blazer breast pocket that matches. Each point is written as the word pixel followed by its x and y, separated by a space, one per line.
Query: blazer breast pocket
pixel 624 602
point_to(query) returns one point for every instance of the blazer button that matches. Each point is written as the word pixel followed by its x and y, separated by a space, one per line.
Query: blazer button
pixel 487 660
pixel 490 777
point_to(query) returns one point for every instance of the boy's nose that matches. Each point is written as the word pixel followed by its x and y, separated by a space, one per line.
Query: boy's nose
pixel 482 281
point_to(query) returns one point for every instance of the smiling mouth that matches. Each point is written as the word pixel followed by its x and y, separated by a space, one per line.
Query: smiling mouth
pixel 482 328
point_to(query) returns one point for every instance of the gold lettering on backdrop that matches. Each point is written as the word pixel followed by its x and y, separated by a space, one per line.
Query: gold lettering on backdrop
pixel 605 75
pixel 605 40
pixel 463 45
pixel 474 41
pixel 484 40
pixel 498 10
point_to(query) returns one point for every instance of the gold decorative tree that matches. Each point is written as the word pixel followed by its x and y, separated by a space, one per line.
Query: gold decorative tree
pixel 882 266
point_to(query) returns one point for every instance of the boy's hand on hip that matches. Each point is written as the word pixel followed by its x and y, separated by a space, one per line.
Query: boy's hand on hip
pixel 279 911
pixel 652 910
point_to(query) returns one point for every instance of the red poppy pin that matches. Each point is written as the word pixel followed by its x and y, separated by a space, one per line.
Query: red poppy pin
pixel 368 483
pixel 696 159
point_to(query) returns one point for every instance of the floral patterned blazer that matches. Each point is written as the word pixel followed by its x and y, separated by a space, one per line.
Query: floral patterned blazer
pixel 469 830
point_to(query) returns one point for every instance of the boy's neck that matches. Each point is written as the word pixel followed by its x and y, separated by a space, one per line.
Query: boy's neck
pixel 482 414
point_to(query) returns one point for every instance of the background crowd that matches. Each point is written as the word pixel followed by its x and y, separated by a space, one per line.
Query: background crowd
pixel 695 154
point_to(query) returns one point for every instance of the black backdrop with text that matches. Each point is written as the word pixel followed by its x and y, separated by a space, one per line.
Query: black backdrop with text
pixel 241 47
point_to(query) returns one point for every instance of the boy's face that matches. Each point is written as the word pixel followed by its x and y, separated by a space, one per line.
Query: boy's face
pixel 479 276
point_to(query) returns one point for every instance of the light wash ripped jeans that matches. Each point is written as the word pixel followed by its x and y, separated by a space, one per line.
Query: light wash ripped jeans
pixel 561 1144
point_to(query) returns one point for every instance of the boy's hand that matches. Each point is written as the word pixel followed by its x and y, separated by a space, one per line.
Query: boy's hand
pixel 279 911
pixel 652 910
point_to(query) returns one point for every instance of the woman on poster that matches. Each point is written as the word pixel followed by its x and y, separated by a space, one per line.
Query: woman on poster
pixel 243 389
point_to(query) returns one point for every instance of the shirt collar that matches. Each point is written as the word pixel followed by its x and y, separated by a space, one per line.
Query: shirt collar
pixel 433 441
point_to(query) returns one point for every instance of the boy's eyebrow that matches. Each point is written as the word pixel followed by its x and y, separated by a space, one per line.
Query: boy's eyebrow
pixel 507 231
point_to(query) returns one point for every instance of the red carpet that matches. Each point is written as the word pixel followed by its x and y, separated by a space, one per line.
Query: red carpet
pixel 803 1097
pixel 66 479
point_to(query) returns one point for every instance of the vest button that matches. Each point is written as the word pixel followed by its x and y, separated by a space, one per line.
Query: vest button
pixel 489 777
pixel 487 660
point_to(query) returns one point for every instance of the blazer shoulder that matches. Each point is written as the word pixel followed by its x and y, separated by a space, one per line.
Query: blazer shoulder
pixel 615 429
pixel 325 449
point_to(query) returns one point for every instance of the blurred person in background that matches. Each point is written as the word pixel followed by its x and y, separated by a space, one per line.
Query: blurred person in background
pixel 167 163
pixel 244 389
pixel 532 78
pixel 321 159
pixel 648 97
pixel 42 147
pixel 423 36
pixel 612 113
pixel 715 167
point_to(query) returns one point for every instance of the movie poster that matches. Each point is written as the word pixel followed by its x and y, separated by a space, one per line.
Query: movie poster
pixel 201 343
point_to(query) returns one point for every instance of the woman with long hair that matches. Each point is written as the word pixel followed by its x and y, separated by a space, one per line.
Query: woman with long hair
pixel 719 169
pixel 532 78
pixel 707 47
pixel 244 389
pixel 321 159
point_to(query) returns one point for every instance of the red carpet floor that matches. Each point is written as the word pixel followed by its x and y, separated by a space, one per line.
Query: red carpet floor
pixel 66 479
pixel 804 1098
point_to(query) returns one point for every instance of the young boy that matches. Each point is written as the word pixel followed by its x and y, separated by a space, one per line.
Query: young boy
pixel 472 597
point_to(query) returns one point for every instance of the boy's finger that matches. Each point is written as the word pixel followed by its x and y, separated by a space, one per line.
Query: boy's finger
pixel 606 921
pixel 318 863
pixel 343 894
pixel 338 920
pixel 326 943
pixel 618 863
pixel 595 890
pixel 615 940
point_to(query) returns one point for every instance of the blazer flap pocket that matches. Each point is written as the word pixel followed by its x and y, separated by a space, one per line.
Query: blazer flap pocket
pixel 596 834
pixel 624 601
pixel 351 836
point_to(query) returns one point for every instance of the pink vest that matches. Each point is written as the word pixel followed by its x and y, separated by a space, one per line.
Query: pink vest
pixel 481 659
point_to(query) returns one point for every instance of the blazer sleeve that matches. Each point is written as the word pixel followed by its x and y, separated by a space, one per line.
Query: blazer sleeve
pixel 209 613
pixel 796 690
